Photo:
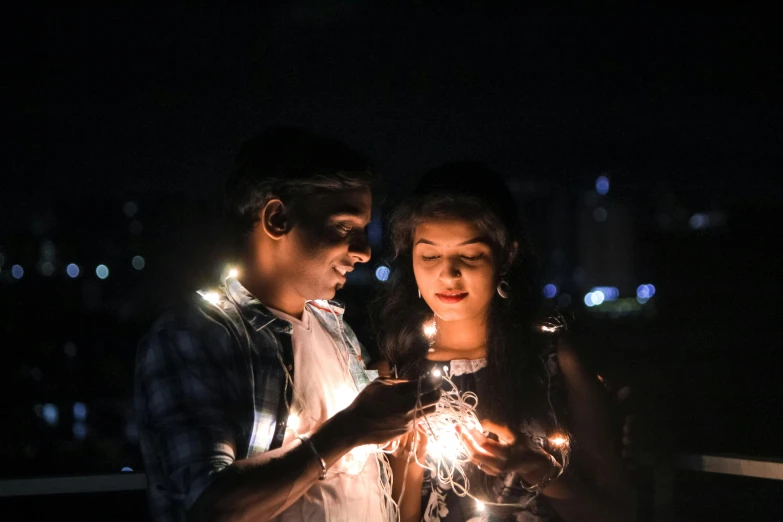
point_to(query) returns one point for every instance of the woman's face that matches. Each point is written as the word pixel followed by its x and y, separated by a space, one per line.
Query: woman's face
pixel 454 267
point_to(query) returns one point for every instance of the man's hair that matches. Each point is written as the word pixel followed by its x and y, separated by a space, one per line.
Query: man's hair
pixel 289 164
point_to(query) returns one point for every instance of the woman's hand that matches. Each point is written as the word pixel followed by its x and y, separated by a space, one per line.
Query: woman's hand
pixel 511 453
pixel 405 445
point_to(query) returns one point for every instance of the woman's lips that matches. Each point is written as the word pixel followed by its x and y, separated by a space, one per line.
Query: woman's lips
pixel 452 297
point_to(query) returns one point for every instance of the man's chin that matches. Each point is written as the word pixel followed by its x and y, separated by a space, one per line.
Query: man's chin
pixel 326 294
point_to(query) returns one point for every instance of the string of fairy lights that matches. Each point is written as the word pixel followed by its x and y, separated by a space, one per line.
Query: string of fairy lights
pixel 447 455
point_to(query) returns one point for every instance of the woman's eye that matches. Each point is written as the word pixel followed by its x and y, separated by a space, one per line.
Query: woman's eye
pixel 473 258
pixel 429 258
pixel 342 227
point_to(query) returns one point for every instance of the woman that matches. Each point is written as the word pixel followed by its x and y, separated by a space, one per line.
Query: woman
pixel 463 262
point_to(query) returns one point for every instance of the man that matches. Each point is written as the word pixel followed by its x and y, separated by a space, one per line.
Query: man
pixel 254 399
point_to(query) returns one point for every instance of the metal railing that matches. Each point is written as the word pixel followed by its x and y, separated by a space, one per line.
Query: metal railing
pixel 72 484
pixel 663 479
pixel 743 466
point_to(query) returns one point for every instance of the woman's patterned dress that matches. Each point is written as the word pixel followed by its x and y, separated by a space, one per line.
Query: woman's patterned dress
pixel 441 504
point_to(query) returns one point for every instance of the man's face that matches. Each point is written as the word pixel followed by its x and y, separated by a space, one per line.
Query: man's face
pixel 454 268
pixel 327 240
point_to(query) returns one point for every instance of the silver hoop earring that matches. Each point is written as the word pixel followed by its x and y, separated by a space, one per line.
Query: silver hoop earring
pixel 503 289
pixel 419 292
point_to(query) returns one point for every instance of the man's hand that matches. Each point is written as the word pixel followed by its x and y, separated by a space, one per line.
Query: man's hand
pixel 386 408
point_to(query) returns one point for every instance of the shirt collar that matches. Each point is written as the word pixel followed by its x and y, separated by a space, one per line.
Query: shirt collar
pixel 254 310
pixel 259 315
pixel 328 306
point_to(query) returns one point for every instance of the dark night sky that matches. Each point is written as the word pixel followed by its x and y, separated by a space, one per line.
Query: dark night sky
pixel 120 101
pixel 109 105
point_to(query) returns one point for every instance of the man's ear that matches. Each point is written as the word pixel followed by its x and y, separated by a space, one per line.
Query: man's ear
pixel 511 255
pixel 275 219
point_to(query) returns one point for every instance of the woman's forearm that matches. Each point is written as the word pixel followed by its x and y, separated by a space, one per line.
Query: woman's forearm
pixel 410 483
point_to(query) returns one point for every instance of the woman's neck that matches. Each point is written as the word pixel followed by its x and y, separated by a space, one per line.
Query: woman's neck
pixel 463 339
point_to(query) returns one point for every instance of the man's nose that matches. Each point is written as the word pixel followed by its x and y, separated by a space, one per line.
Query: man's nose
pixel 359 247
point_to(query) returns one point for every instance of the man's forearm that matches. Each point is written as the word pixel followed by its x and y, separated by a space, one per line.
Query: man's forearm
pixel 261 487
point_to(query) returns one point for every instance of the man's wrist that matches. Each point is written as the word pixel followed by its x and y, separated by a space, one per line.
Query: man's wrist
pixel 334 438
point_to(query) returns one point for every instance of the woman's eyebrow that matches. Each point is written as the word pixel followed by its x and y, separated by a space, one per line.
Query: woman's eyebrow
pixel 474 240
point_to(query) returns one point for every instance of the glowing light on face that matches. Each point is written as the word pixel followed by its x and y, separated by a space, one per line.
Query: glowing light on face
pixel 454 268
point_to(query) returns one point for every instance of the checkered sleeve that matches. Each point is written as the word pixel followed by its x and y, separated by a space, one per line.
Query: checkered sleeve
pixel 189 405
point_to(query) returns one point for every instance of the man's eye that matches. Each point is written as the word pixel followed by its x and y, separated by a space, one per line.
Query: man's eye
pixel 342 227
pixel 429 258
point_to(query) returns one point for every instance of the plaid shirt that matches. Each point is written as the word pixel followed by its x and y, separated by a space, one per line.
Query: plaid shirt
pixel 211 387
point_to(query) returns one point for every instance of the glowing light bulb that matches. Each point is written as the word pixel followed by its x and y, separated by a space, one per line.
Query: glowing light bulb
pixel 548 329
pixel 344 396
pixel 445 445
pixel 211 297
pixel 293 423
pixel 558 440
pixel 436 372
pixel 233 272
pixel 430 329
pixel 479 505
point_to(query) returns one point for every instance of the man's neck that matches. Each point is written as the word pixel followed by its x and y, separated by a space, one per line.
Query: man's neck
pixel 463 339
pixel 272 293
